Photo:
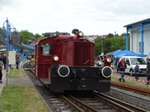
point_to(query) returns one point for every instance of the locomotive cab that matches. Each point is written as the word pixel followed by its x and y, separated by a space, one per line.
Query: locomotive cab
pixel 66 62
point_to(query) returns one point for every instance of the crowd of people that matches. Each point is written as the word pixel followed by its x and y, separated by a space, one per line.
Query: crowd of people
pixel 122 66
pixel 4 64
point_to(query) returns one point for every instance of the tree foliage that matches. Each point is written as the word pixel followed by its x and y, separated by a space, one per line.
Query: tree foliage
pixel 106 45
pixel 37 35
pixel 27 36
pixel 41 38
pixel 110 35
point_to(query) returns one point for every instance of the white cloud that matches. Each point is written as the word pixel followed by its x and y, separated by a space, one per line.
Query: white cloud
pixel 91 16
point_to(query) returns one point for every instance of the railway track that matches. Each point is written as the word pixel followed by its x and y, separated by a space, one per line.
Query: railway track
pixel 119 104
pixel 72 103
pixel 103 103
pixel 128 87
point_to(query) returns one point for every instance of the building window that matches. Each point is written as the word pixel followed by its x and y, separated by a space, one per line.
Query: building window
pixel 140 47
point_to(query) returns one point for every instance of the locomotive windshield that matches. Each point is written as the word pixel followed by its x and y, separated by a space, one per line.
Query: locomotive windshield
pixel 46 49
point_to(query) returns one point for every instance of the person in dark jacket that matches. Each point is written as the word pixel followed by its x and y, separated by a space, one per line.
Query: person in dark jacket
pixel 121 68
pixel 137 71
pixel 4 59
pixel 1 67
pixel 148 71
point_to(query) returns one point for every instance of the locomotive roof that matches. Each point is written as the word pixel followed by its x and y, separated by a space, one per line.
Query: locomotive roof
pixel 63 38
pixel 52 34
pixel 59 37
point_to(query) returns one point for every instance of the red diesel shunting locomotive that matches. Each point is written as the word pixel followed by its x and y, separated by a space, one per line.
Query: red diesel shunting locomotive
pixel 66 62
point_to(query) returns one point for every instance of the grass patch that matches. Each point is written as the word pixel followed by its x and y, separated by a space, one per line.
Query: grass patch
pixel 21 99
pixel 131 83
pixel 17 73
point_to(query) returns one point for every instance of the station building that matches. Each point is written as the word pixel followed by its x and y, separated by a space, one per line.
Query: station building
pixel 139 33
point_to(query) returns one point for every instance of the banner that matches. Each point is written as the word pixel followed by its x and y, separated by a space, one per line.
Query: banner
pixel 12 57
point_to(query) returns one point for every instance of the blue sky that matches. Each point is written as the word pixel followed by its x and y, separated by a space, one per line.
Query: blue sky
pixel 93 17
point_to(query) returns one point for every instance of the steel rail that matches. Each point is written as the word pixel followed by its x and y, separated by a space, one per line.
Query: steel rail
pixel 83 105
pixel 116 103
pixel 73 105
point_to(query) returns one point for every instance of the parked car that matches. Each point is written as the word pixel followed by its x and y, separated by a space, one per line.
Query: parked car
pixel 131 63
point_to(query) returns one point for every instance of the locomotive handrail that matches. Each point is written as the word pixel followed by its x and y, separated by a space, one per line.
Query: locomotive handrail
pixel 85 63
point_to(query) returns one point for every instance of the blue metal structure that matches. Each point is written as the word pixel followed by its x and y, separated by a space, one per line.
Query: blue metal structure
pixel 134 26
pixel 8 35
pixel 14 41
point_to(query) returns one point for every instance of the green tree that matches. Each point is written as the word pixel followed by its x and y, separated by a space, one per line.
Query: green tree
pixel 110 35
pixel 27 36
pixel 106 45
pixel 41 38
pixel 37 35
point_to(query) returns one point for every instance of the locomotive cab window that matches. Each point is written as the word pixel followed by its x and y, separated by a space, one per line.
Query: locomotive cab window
pixel 46 49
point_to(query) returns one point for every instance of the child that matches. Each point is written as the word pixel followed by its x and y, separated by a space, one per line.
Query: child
pixel 137 70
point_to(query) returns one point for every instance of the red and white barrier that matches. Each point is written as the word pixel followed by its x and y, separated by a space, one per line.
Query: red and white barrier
pixel 132 79
pixel 132 73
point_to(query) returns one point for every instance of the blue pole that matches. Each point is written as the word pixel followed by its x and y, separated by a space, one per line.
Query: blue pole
pixel 7 35
pixel 142 40
pixel 127 39
pixel 8 31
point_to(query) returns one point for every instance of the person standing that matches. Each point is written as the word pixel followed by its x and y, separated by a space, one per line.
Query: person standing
pixel 17 61
pixel 137 71
pixel 1 74
pixel 4 58
pixel 121 68
pixel 148 71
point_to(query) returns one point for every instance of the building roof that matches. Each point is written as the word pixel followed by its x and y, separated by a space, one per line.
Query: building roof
pixel 138 23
